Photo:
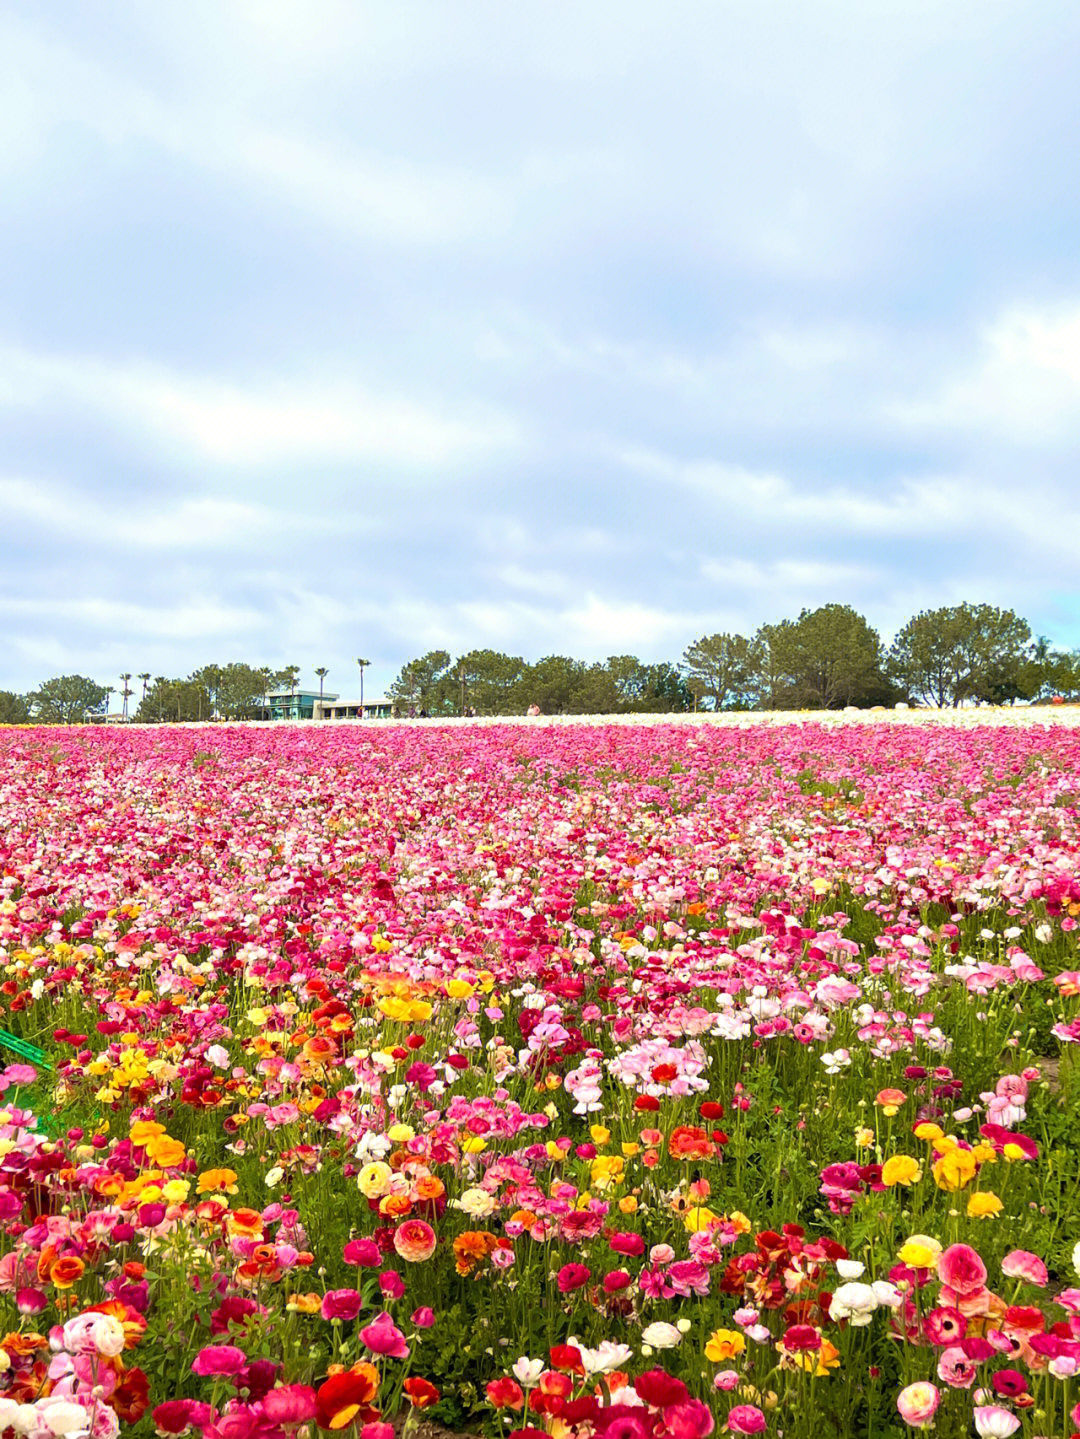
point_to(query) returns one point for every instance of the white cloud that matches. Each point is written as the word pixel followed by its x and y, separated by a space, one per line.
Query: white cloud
pixel 249 423
pixel 1024 384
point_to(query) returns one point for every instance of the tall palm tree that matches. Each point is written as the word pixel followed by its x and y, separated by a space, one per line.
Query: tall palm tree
pixel 322 672
pixel 363 666
pixel 145 681
pixel 125 692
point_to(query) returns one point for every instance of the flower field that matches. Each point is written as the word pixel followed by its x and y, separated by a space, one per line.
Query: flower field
pixel 639 1081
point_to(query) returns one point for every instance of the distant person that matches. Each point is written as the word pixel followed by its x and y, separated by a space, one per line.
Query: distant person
pixel 533 711
pixel 423 714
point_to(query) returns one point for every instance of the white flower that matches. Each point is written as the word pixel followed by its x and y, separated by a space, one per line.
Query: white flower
pixel 994 1422
pixel 886 1293
pixel 1043 933
pixel 527 1371
pixel 274 1177
pixel 108 1336
pixel 854 1302
pixel 661 1336
pixel 61 1416
pixel 476 1203
pixel 218 1056
pixel 606 1357
pixel 835 1060
pixel 850 1268
pixel 1076 1258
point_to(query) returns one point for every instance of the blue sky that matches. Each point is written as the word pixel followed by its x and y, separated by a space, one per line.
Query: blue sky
pixel 335 328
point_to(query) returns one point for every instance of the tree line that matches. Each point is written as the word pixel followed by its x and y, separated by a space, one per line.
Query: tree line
pixel 826 658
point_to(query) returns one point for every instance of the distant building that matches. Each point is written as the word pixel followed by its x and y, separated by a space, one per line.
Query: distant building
pixel 333 708
pixel 294 704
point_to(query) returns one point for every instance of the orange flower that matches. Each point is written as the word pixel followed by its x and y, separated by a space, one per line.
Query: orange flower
pixel 67 1271
pixel 217 1181
pixel 304 1304
pixel 246 1222
pixel 395 1205
pixel 422 1393
pixel 165 1151
pixel 143 1130
pixel 20 1345
pixel 472 1248
pixel 429 1186
pixel 346 1397
pixel 131 1321
pixel 686 1142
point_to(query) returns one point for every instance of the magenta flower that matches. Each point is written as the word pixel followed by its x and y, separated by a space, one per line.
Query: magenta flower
pixel 290 1404
pixel 961 1269
pixel 382 1336
pixel 1022 1264
pixel 364 1253
pixel 746 1419
pixel 218 1360
pixel 341 1304
pixel 571 1277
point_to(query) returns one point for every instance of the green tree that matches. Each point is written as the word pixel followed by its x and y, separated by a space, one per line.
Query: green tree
pixel 726 669
pixel 963 652
pixel 67 699
pixel 826 658
pixel 174 701
pixel 426 684
pixel 492 681
pixel 13 708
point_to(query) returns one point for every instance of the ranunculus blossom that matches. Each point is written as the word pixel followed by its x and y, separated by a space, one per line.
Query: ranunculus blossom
pixel 341 1304
pixel 382 1336
pixel 918 1403
pixel 746 1419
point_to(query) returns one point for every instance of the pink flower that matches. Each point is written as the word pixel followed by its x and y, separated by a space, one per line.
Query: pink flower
pixel 423 1317
pixel 961 1269
pixel 382 1336
pixel 571 1277
pixel 746 1419
pixel 291 1404
pixel 689 1420
pixel 994 1422
pixel 341 1304
pixel 918 1403
pixel 218 1360
pixel 726 1380
pixel 955 1368
pixel 626 1243
pixel 1022 1264
pixel 364 1253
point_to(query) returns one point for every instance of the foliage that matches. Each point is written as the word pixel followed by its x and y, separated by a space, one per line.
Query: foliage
pixel 14 709
pixel 962 652
pixel 67 699
pixel 827 658
pixel 727 669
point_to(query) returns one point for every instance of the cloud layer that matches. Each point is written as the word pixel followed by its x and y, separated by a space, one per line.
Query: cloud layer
pixel 346 329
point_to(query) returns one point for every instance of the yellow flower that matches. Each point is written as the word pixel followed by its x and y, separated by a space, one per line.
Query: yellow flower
pixel 217 1181
pixel 724 1344
pixel 863 1137
pixel 374 1179
pixel 1013 1151
pixel 599 1135
pixel 143 1130
pixel 166 1151
pixel 739 1222
pixel 985 1153
pixel 818 1361
pixel 176 1191
pixel 900 1169
pixel 473 1145
pixel 928 1131
pixel 400 1133
pixel 984 1205
pixel 920 1252
pixel 606 1170
pixel 628 1204
pixel 699 1218
pixel 460 989
pixel 955 1169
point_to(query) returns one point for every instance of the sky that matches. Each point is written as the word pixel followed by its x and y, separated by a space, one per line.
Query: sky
pixel 336 329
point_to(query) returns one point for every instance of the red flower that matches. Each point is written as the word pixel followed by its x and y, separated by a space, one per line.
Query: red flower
pixel 709 1109
pixel 505 1394
pixel 568 1357
pixel 647 1103
pixel 422 1393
